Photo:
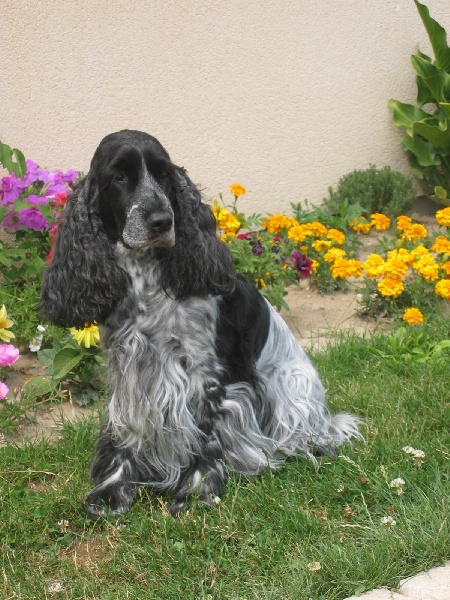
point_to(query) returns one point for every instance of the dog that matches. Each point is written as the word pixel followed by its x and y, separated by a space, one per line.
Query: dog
pixel 205 377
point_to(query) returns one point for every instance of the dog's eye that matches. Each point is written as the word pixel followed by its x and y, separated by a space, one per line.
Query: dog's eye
pixel 120 177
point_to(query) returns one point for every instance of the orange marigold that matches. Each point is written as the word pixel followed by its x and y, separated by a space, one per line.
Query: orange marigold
pixel 443 216
pixel 413 316
pixel 237 189
pixel 441 245
pixel 403 222
pixel 442 288
pixel 391 286
pixel 320 245
pixel 402 254
pixel 333 254
pixel 427 268
pixel 380 222
pixel 298 233
pixel 336 235
pixel 343 268
pixel 275 223
pixel 445 266
pixel 415 232
pixel 361 225
pixel 316 228
pixel 374 266
pixel 395 267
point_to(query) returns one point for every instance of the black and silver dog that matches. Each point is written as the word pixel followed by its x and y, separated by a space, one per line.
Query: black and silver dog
pixel 204 375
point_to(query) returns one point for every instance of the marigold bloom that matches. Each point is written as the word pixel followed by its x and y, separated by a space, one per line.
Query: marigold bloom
pixel 226 221
pixel 442 288
pixel 320 245
pixel 403 222
pixel 445 266
pixel 333 254
pixel 395 267
pixel 237 189
pixel 402 254
pixel 443 217
pixel 343 268
pixel 275 223
pixel 361 225
pixel 336 235
pixel 391 286
pixel 413 316
pixel 380 222
pixel 374 266
pixel 420 251
pixel 427 268
pixel 88 336
pixel 316 228
pixel 298 233
pixel 5 323
pixel 415 232
pixel 441 245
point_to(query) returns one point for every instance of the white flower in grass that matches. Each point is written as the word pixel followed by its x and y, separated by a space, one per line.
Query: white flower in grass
pixel 418 456
pixel 55 587
pixel 408 449
pixel 41 328
pixel 36 342
pixel 398 484
pixel 63 524
pixel 314 566
pixel 388 521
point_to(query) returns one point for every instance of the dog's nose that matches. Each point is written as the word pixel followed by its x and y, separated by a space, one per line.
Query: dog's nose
pixel 160 222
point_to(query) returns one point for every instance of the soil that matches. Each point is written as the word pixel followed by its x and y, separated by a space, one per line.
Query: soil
pixel 315 319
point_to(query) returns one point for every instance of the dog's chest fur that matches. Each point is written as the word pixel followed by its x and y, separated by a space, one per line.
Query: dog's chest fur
pixel 162 365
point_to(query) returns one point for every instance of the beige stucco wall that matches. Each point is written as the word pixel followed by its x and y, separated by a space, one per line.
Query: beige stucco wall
pixel 283 96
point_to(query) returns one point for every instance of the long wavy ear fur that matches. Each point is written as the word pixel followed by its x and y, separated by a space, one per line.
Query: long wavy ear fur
pixel 83 282
pixel 199 264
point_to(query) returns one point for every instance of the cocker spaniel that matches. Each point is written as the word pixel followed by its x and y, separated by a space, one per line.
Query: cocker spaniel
pixel 204 375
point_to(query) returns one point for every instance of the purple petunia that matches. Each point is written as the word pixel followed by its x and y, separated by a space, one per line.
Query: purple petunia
pixel 11 221
pixel 10 188
pixel 34 199
pixel 32 218
pixel 302 264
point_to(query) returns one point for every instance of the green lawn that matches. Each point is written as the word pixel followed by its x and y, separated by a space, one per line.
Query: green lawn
pixel 263 540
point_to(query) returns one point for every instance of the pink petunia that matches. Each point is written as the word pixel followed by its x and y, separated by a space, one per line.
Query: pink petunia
pixel 4 390
pixel 34 199
pixel 11 221
pixel 32 218
pixel 10 188
pixel 8 355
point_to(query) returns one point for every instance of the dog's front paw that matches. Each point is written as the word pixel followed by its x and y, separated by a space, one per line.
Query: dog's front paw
pixel 111 500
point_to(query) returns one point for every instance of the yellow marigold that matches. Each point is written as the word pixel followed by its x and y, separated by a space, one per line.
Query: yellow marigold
pixel 320 245
pixel 380 222
pixel 441 245
pixel 415 232
pixel 316 228
pixel 298 233
pixel 275 223
pixel 333 254
pixel 291 222
pixel 336 235
pixel 88 336
pixel 442 288
pixel 237 189
pixel 413 316
pixel 443 216
pixel 403 222
pixel 395 267
pixel 402 254
pixel 427 267
pixel 314 266
pixel 391 286
pixel 445 266
pixel 419 251
pixel 226 237
pixel 374 266
pixel 361 225
pixel 343 268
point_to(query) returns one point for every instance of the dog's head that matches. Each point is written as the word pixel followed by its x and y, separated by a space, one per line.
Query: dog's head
pixel 133 176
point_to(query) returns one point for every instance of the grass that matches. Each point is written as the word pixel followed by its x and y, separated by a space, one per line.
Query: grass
pixel 261 541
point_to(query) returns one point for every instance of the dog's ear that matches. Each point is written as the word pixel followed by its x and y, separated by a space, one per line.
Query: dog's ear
pixel 83 282
pixel 199 264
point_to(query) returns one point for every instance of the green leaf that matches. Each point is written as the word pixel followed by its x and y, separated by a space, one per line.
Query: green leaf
pixel 37 387
pixel 437 36
pixel 432 131
pixel 407 114
pixel 436 79
pixel 65 361
pixel 424 152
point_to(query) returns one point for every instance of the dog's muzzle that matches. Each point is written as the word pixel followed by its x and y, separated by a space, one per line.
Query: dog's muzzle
pixel 143 229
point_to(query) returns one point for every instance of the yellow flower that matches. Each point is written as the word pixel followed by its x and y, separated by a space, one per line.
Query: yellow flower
pixel 380 222
pixel 419 251
pixel 443 216
pixel 333 254
pixel 403 222
pixel 226 237
pixel 316 228
pixel 275 223
pixel 391 286
pixel 344 268
pixel 314 266
pixel 427 267
pixel 5 324
pixel 442 288
pixel 226 221
pixel 361 225
pixel 445 266
pixel 320 245
pixel 413 316
pixel 414 232
pixel 402 254
pixel 298 233
pixel 336 235
pixel 395 267
pixel 441 245
pixel 374 266
pixel 237 189
pixel 88 336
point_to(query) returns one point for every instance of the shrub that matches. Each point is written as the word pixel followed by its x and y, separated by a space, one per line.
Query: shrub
pixel 377 191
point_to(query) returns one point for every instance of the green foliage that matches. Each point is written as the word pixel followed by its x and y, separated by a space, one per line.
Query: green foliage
pixel 427 139
pixel 375 190
pixel 335 212
pixel 12 160
pixel 408 345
